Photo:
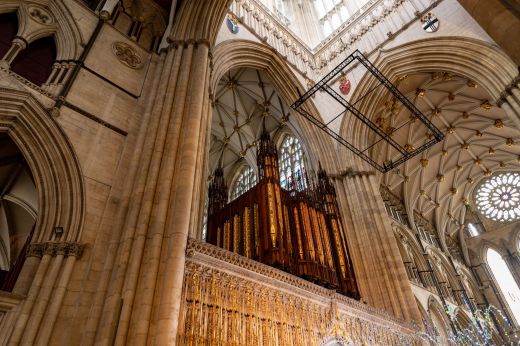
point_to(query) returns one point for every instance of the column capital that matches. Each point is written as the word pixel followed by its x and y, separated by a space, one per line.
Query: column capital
pixel 185 43
pixel 20 42
pixel 55 248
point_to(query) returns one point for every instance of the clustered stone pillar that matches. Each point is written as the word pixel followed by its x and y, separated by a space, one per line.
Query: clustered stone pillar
pixel 510 101
pixel 17 45
pixel 138 297
pixel 379 268
pixel 143 298
pixel 52 263
pixel 515 265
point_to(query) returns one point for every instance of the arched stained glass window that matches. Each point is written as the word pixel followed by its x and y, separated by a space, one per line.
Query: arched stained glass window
pixel 292 164
pixel 498 198
pixel 473 230
pixel 245 181
pixel 505 282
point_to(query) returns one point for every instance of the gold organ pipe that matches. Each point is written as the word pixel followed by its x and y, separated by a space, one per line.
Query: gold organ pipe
pixel 288 235
pixel 227 235
pixel 256 231
pixel 339 248
pixel 278 204
pixel 317 234
pixel 236 233
pixel 326 239
pixel 298 233
pixel 308 231
pixel 272 216
pixel 247 232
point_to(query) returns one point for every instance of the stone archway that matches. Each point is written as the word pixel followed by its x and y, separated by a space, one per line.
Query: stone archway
pixel 242 53
pixel 61 200
pixel 53 162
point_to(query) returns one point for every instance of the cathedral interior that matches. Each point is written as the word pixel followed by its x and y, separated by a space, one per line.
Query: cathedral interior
pixel 225 172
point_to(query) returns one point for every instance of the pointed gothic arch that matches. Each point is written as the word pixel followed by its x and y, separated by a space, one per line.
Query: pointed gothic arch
pixel 508 288
pixel 439 320
pixel 61 24
pixel 35 62
pixel 243 53
pixel 244 179
pixel 51 158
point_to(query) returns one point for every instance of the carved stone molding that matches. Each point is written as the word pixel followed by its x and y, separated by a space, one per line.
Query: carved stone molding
pixel 40 15
pixel 55 248
pixel 312 62
pixel 127 55
pixel 206 258
pixel 21 83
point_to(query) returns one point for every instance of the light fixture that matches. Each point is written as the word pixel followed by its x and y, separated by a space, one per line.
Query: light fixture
pixel 58 232
pixel 378 132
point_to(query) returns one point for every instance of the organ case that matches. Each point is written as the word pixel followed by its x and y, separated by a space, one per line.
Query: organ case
pixel 298 230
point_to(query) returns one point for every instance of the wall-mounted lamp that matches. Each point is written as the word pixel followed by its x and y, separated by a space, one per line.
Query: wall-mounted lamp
pixel 58 232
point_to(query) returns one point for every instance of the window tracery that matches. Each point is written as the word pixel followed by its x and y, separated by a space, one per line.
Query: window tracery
pixel 505 282
pixel 292 164
pixel 245 181
pixel 498 198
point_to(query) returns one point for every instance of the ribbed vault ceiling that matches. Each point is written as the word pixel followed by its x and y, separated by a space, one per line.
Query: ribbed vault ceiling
pixel 244 98
pixel 480 140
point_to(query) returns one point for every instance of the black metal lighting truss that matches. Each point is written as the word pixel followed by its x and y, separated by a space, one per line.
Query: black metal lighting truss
pixel 323 85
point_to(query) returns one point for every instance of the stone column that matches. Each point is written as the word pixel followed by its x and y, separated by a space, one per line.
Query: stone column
pixel 513 262
pixel 509 101
pixel 18 44
pixel 139 294
pixel 27 305
pixel 192 135
pixel 378 265
pixel 108 9
pixel 144 298
pixel 177 75
pixel 40 309
pixel 24 281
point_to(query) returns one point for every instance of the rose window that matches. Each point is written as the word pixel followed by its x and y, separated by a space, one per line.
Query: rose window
pixel 498 198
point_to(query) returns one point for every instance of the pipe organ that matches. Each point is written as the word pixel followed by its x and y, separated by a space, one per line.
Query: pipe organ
pixel 298 231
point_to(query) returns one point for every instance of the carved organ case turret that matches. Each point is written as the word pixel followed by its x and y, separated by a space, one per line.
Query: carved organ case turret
pixel 298 231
